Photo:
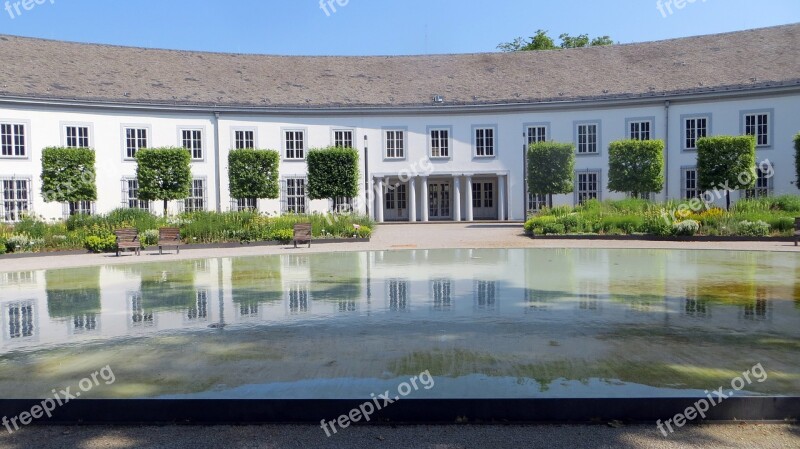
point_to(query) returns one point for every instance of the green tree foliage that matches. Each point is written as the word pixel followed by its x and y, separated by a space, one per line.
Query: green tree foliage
pixel 726 163
pixel 68 174
pixel 253 173
pixel 163 174
pixel 636 166
pixel 551 168
pixel 797 158
pixel 332 172
pixel 541 41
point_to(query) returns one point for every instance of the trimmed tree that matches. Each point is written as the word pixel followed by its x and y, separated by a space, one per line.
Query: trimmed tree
pixel 726 162
pixel 253 173
pixel 551 169
pixel 68 175
pixel 163 174
pixel 332 173
pixel 797 158
pixel 636 166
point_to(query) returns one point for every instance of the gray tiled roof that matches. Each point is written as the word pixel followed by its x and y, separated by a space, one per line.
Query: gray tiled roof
pixel 62 70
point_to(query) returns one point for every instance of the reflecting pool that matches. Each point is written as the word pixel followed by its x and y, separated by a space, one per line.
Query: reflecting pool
pixel 495 323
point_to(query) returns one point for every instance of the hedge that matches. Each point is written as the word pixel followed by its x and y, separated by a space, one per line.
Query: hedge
pixel 163 174
pixel 636 166
pixel 726 161
pixel 551 168
pixel 68 174
pixel 253 173
pixel 332 172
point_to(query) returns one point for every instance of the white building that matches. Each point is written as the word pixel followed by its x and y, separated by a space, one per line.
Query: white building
pixel 442 137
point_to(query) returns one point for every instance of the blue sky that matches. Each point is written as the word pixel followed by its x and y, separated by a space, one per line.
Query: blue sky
pixel 376 27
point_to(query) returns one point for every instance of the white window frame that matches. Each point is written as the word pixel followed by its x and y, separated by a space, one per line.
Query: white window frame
pixel 446 143
pixel 482 144
pixel 765 186
pixel 584 194
pixel 638 123
pixel 685 130
pixel 15 213
pixel 587 145
pixel 244 204
pixel 32 322
pixel 197 201
pixel 147 140
pixel 399 139
pixel 299 146
pixel 126 198
pixel 299 207
pixel 536 202
pixel 342 205
pixel 335 142
pixel 192 149
pixel 690 174
pixel 26 139
pixel 82 207
pixel 397 295
pixel 65 126
pixel 234 140
pixel 756 132
pixel 536 132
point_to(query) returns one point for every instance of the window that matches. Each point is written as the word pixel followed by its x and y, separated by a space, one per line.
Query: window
pixel 130 195
pixel 140 316
pixel 587 138
pixel 397 291
pixel 296 195
pixel 689 186
pixel 485 295
pixel 83 323
pixel 342 205
pixel 135 140
pixel 442 298
pixel 199 310
pixel 640 130
pixel 244 139
pixel 757 125
pixel 477 198
pixel 197 197
pixel 396 197
pixel 16 198
pixel 20 320
pixel 80 208
pixel 77 136
pixel 295 144
pixel 192 140
pixel 440 142
pixel 695 128
pixel 536 202
pixel 484 142
pixel 298 298
pixel 488 194
pixel 395 144
pixel 588 186
pixel 243 204
pixel 12 140
pixel 764 186
pixel 343 138
pixel 537 134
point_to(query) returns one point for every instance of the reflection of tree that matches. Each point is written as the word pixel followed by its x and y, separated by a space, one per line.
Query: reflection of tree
pixel 336 276
pixel 167 286
pixel 73 292
pixel 255 281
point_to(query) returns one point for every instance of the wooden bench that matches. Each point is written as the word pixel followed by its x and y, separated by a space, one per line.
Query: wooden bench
pixel 169 237
pixel 302 234
pixel 796 230
pixel 127 238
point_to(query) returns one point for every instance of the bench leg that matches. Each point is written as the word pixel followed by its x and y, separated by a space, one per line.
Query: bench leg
pixel 177 249
pixel 295 243
pixel 160 251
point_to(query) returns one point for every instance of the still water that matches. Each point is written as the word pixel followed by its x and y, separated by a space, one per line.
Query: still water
pixel 501 323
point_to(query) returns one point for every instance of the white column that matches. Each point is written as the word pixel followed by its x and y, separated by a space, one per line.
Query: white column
pixel 412 199
pixel 456 198
pixel 369 198
pixel 501 200
pixel 424 195
pixel 469 216
pixel 379 198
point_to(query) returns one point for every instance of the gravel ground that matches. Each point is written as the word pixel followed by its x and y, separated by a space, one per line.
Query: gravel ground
pixel 762 436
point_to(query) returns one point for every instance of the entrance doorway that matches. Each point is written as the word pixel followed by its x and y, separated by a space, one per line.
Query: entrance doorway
pixel 484 199
pixel 439 207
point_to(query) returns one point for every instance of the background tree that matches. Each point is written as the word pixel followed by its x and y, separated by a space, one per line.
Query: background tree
pixel 797 158
pixel 332 173
pixel 551 169
pixel 726 162
pixel 253 173
pixel 541 41
pixel 636 166
pixel 68 175
pixel 163 174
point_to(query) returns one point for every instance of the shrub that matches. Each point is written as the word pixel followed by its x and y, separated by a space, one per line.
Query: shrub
pixel 570 222
pixel 686 228
pixel 536 224
pixel 787 203
pixel 655 224
pixel 364 232
pixel 553 229
pixel 332 172
pixel 636 166
pixel 753 228
pixel 104 244
pixel 282 235
pixel 627 224
pixel 722 160
pixel 253 173
pixel 140 219
pixel 551 168
pixel 2 245
pixel 68 174
pixel 31 227
pixel 781 224
pixel 149 237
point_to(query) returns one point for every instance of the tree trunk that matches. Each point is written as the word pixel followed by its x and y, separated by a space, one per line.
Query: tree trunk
pixel 550 200
pixel 728 200
pixel 165 208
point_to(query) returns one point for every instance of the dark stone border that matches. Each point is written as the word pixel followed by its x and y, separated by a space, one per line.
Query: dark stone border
pixel 185 247
pixel 657 238
pixel 444 411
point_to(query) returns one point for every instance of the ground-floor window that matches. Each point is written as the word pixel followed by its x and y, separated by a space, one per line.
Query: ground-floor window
pixel 80 208
pixel 442 295
pixel 246 204
pixel 485 295
pixel 140 316
pixel 197 197
pixel 763 187
pixel 20 319
pixel 397 293
pixel 130 195
pixel 16 197
pixel 689 185
pixel 536 202
pixel 298 298
pixel 342 205
pixel 588 186
pixel 295 195
pixel 199 310
pixel 84 323
pixel 396 197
